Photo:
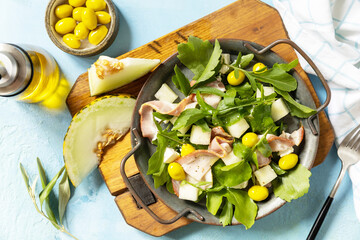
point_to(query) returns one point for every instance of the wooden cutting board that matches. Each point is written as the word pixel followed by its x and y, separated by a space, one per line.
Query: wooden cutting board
pixel 249 20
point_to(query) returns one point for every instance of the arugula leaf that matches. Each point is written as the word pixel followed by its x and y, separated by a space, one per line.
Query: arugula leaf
pixel 162 116
pixel 156 161
pixel 204 126
pixel 214 201
pixel 276 168
pixel 263 146
pixel 169 186
pixel 246 59
pixel 229 98
pixel 200 57
pixel 180 81
pixel 188 117
pixel 287 66
pixel 252 79
pixel 203 105
pixel 261 119
pixel 276 76
pixel 244 90
pixel 160 178
pixel 245 208
pixel 293 184
pixel 209 90
pixel 296 109
pixel 246 153
pixel 238 60
pixel 226 214
pixel 233 174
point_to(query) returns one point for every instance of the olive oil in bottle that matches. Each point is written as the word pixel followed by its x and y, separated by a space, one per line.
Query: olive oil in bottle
pixel 28 73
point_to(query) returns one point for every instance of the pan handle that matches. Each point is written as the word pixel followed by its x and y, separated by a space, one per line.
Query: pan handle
pixel 139 142
pixel 313 66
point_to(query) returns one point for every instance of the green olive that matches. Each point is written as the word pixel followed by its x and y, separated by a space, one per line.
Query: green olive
pixel 97 35
pixel 65 25
pixel 89 18
pixel 81 31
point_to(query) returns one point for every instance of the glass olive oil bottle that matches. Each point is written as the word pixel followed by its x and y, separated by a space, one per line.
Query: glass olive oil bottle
pixel 28 73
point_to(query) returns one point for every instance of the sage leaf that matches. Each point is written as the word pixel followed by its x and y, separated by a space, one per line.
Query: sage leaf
pixel 64 195
pixel 48 210
pixel 47 190
pixel 25 176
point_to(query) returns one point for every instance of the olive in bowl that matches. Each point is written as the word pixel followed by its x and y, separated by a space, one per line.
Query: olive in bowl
pixel 81 27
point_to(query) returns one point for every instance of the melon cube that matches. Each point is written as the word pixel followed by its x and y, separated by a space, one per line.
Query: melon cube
pixel 166 94
pixel 231 158
pixel 238 128
pixel 265 175
pixel 198 136
pixel 279 109
pixel 267 91
pixel 225 59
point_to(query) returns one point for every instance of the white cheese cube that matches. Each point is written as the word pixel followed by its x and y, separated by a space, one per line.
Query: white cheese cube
pixel 279 109
pixel 198 136
pixel 267 91
pixel 265 175
pixel 241 185
pixel 238 128
pixel 166 94
pixel 170 155
pixel 231 158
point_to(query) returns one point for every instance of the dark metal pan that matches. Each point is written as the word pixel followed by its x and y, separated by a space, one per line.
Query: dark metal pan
pixel 143 149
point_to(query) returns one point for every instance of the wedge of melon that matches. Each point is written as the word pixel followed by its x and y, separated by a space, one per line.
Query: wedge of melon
pixel 108 73
pixel 96 126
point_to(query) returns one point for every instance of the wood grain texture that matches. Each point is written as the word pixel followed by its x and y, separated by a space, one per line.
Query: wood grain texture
pixel 249 20
pixel 139 219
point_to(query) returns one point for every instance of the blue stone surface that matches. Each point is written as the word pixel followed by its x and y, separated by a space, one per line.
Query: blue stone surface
pixel 28 131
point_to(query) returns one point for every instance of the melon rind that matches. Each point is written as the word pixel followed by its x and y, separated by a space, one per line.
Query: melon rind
pixel 86 129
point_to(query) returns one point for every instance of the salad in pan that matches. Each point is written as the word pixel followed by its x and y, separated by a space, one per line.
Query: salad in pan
pixel 225 142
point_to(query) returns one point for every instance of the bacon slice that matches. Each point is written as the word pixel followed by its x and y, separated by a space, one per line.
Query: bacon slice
pixel 176 186
pixel 211 99
pixel 147 124
pixel 262 160
pixel 198 163
pixel 219 131
pixel 221 142
pixel 285 142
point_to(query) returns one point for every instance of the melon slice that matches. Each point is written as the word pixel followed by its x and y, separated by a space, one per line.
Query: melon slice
pixel 108 73
pixel 98 125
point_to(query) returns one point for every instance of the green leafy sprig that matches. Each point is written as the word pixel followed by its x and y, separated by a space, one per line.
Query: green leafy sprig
pixel 43 197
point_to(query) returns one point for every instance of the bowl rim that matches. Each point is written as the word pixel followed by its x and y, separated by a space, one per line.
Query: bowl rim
pixel 135 125
pixel 102 46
